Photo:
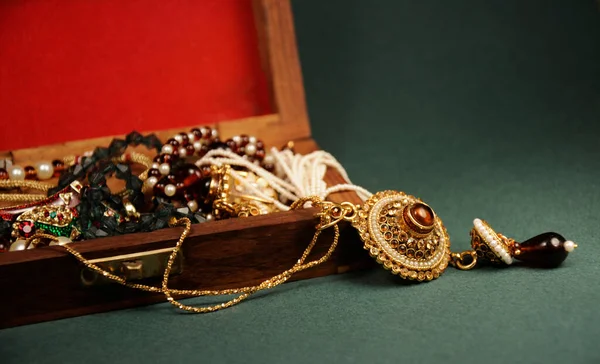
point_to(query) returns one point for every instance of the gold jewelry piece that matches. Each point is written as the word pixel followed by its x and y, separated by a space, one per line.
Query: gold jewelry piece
pixel 400 231
pixel 545 250
pixel 230 198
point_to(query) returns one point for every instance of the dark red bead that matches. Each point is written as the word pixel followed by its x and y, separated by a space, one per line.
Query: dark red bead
pixel 153 173
pixel 231 144
pixel 203 150
pixel 171 179
pixel 197 133
pixel 260 154
pixel 245 139
pixel 173 142
pixel 190 150
pixel 30 172
pixel 184 138
pixel 168 158
pixel 3 173
pixel 206 170
pixel 269 167
pixel 259 144
pixel 545 250
pixel 192 175
pixel 59 167
pixel 208 133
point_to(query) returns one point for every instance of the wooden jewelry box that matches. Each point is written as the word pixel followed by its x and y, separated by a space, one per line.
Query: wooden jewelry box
pixel 48 283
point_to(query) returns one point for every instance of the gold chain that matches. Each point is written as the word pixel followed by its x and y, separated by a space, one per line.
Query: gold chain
pixel 242 292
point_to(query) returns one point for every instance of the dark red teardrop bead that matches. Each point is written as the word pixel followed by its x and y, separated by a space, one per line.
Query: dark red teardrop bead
pixel 245 139
pixel 190 175
pixel 546 250
pixel 3 173
pixel 259 144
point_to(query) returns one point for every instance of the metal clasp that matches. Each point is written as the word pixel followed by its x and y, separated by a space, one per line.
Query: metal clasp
pixel 133 267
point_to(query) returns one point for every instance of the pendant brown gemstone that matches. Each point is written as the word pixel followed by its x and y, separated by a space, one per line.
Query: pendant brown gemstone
pixel 419 218
pixel 422 214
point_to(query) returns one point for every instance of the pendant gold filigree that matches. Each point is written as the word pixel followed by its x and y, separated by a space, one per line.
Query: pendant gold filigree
pixel 404 235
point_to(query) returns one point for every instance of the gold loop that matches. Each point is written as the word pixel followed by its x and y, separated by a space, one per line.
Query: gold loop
pixel 458 260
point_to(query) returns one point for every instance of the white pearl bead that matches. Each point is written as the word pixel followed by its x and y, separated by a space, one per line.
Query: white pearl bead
pixel 209 217
pixel 197 145
pixel 44 170
pixel 182 152
pixel 151 181
pixel 178 137
pixel 17 245
pixel 237 139
pixel 192 205
pixel 167 149
pixel 569 246
pixel 250 149
pixel 164 169
pixel 269 159
pixel 214 133
pixel 17 173
pixel 191 137
pixel 252 140
pixel 170 190
pixel 476 222
pixel 155 165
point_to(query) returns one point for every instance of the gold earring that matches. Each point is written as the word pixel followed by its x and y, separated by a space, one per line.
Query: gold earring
pixel 546 250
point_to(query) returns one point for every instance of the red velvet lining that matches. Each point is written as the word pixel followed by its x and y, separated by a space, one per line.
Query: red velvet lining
pixel 80 69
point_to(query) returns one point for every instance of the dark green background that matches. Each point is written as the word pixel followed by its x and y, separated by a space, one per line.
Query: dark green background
pixel 484 109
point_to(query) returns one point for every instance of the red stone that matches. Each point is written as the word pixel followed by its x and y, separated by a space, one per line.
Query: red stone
pixel 3 173
pixel 30 172
pixel 545 250
pixel 422 214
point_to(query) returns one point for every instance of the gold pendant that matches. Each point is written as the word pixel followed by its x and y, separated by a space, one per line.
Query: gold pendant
pixel 404 235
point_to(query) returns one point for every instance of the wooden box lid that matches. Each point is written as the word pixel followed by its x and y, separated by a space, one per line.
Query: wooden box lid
pixel 76 71
pixel 45 284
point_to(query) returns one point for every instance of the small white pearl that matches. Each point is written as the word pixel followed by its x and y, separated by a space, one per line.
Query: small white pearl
pixel 151 181
pixel 209 217
pixel 167 149
pixel 170 190
pixel 182 152
pixel 164 169
pixel 252 140
pixel 250 149
pixel 197 145
pixel 192 205
pixel 269 159
pixel 17 173
pixel 44 170
pixel 17 245
pixel 569 246
pixel 155 165
pixel 237 139
pixel 178 137
pixel 476 221
pixel 493 244
pixel 191 137
pixel 214 133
